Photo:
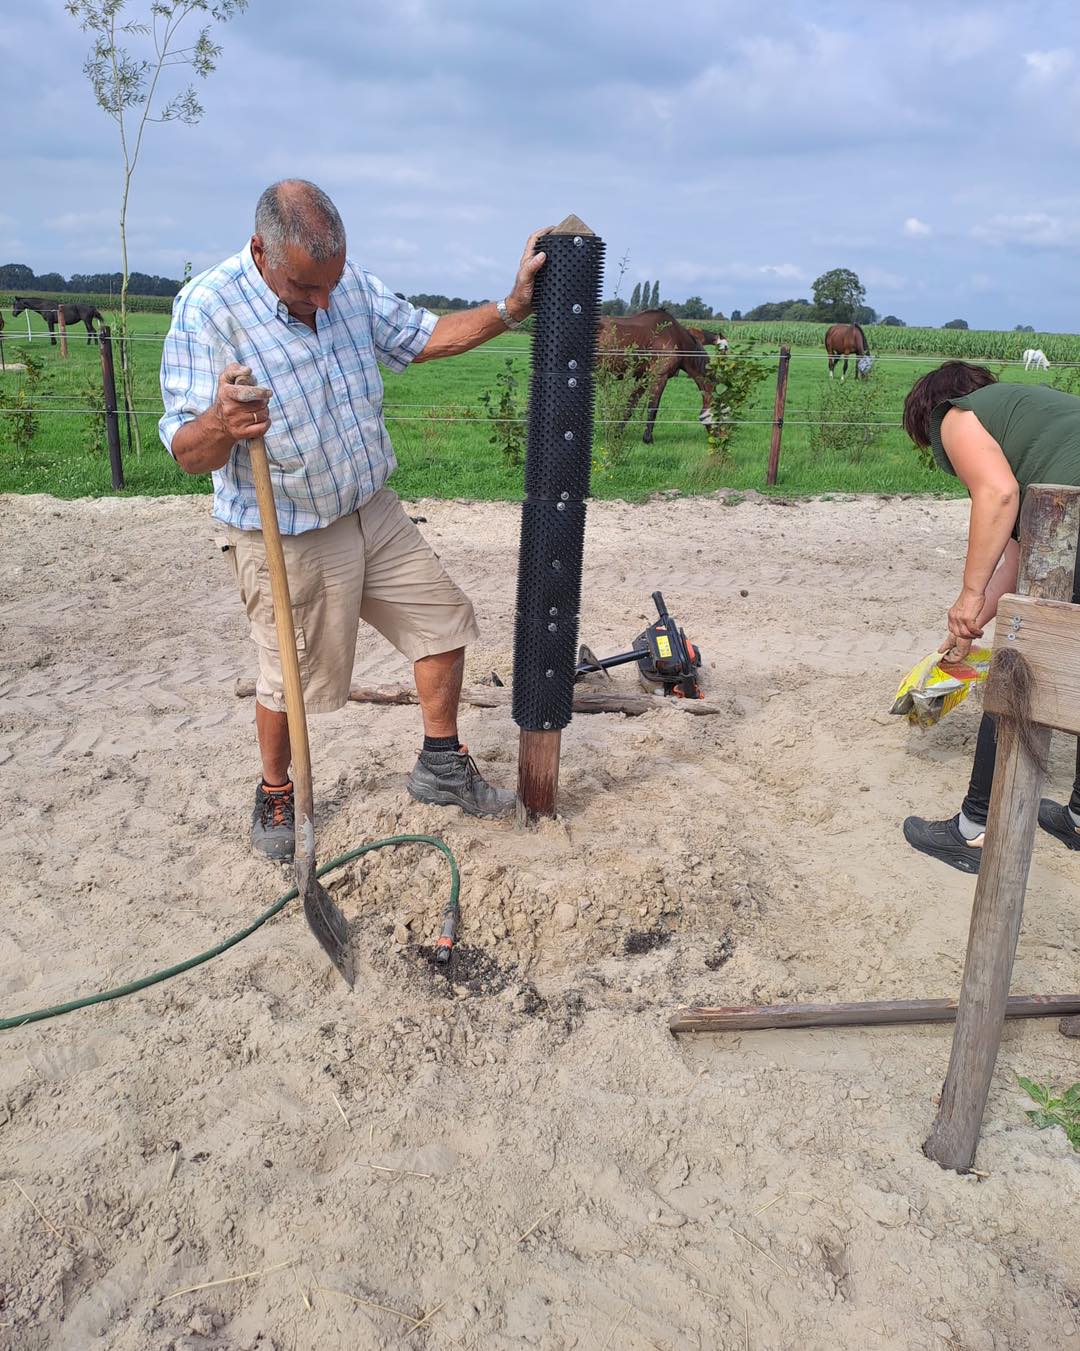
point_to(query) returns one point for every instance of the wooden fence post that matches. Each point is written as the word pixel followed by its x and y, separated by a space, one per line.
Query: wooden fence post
pixel 1050 525
pixel 538 774
pixel 112 425
pixel 778 413
pixel 62 325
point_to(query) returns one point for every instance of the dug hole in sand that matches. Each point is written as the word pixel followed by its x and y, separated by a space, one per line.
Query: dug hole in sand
pixel 520 1155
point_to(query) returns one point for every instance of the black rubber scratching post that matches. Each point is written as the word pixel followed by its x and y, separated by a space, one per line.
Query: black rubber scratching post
pixel 558 460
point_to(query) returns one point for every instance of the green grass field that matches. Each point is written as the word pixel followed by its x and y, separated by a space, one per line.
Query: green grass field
pixel 438 426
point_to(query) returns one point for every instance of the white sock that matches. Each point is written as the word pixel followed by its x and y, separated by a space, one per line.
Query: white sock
pixel 1074 818
pixel 970 829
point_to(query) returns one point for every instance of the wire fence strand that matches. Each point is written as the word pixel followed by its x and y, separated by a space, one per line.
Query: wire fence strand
pixel 439 420
pixel 768 354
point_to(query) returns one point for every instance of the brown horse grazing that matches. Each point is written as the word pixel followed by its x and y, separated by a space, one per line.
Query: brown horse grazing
pixel 707 337
pixel 844 340
pixel 650 348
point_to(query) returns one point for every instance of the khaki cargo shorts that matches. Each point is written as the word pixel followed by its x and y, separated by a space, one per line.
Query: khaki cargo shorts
pixel 373 565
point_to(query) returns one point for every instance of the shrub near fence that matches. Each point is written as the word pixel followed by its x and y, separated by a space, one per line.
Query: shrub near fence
pixel 966 344
pixel 105 303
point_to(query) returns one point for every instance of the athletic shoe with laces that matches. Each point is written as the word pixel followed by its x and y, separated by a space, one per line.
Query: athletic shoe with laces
pixel 1055 820
pixel 273 823
pixel 943 840
pixel 452 779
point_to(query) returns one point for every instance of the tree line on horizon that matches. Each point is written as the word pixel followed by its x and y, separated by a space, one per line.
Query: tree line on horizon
pixel 19 278
pixel 838 297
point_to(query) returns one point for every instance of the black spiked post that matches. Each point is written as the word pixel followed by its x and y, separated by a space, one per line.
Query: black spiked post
pixel 558 460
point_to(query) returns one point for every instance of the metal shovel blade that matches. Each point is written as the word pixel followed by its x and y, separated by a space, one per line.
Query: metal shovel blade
pixel 326 921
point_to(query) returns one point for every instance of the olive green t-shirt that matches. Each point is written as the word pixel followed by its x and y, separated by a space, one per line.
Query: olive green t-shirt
pixel 1037 428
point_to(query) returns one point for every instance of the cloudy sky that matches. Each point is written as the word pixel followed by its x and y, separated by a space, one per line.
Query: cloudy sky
pixel 734 150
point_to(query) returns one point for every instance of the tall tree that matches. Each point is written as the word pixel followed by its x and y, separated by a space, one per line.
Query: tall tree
pixel 129 61
pixel 837 295
pixel 643 303
pixel 654 299
pixel 694 308
pixel 635 299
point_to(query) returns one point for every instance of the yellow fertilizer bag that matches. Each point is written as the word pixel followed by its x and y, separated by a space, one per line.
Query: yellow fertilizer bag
pixel 930 689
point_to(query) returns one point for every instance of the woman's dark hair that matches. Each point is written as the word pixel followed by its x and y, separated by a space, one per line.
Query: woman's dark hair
pixel 951 380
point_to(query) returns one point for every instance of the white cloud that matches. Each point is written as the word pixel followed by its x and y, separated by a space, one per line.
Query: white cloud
pixel 1033 229
pixel 878 279
pixel 385 169
pixel 391 246
pixel 1043 67
pixel 105 219
pixel 917 229
pixel 686 272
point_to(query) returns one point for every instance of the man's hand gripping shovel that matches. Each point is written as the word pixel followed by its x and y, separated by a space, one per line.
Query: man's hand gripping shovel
pixel 326 921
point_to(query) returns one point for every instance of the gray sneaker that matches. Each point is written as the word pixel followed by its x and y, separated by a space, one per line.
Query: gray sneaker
pixel 272 823
pixel 452 779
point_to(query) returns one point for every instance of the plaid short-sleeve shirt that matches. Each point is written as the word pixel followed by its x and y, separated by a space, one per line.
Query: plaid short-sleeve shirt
pixel 328 446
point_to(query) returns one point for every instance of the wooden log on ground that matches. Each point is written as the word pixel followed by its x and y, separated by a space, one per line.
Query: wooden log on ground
pixel 499 696
pixel 1069 1027
pixel 874 1013
pixel 1050 524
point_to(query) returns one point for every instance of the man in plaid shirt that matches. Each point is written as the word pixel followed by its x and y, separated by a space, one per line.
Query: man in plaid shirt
pixel 313 328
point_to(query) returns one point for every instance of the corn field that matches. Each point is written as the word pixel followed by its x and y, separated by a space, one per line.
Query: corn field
pixel 967 344
pixel 103 301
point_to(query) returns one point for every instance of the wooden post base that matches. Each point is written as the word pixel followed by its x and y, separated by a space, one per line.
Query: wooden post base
pixel 538 775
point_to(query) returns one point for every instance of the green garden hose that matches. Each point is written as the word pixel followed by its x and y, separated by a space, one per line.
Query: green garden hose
pixel 448 929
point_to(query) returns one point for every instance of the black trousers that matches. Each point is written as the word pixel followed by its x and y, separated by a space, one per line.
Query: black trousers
pixel 977 803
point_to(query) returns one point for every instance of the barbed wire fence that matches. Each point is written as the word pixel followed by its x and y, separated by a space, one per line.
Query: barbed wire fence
pixel 445 414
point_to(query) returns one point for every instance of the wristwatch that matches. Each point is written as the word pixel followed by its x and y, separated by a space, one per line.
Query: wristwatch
pixel 505 315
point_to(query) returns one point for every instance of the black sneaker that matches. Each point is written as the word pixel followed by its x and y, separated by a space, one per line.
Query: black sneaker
pixel 452 779
pixel 943 840
pixel 272 823
pixel 1055 820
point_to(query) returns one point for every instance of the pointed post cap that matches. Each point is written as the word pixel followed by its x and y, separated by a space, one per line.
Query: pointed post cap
pixel 572 225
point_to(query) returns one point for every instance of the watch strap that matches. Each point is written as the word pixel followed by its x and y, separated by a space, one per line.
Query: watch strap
pixel 505 315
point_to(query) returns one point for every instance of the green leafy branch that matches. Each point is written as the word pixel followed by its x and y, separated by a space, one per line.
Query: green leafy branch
pixel 1051 1111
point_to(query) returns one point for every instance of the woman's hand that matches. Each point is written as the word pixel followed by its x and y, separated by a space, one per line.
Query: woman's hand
pixel 954 650
pixel 965 613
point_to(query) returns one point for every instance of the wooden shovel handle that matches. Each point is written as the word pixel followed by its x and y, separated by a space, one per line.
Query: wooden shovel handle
pixel 290 663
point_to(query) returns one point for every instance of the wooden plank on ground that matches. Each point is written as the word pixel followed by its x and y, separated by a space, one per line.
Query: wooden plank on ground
pixel 876 1012
pixel 499 696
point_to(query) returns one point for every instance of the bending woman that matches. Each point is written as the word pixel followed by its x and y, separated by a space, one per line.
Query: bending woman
pixel 998 439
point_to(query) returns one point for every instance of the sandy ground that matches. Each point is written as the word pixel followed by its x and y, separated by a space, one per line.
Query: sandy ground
pixel 523 1152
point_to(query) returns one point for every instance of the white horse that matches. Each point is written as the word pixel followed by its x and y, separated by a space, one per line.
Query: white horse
pixel 1035 359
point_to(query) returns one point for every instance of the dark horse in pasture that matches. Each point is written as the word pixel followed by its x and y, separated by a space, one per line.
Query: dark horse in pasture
pixel 845 340
pixel 648 349
pixel 708 337
pixel 73 314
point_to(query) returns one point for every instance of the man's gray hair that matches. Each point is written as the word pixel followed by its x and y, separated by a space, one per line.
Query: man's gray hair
pixel 296 212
